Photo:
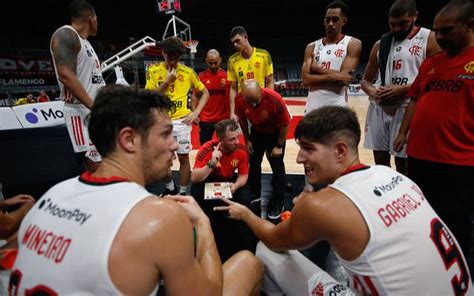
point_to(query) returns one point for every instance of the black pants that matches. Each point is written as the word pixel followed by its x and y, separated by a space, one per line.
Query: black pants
pixel 450 191
pixel 231 235
pixel 206 130
pixel 264 143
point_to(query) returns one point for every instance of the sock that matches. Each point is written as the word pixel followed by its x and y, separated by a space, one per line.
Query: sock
pixel 170 185
pixel 183 189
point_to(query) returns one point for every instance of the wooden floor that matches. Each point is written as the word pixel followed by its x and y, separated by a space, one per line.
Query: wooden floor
pixel 359 103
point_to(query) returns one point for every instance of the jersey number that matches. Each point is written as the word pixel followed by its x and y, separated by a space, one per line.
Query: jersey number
pixel 451 255
pixel 326 65
pixel 397 65
pixel 250 75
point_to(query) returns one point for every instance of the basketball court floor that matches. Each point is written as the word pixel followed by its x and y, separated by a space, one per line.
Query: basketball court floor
pixel 296 106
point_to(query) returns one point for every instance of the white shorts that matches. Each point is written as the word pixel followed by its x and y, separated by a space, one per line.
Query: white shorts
pixel 182 134
pixel 317 100
pixel 291 273
pixel 75 116
pixel 381 129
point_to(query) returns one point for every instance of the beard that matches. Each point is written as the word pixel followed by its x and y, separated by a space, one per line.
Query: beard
pixel 400 35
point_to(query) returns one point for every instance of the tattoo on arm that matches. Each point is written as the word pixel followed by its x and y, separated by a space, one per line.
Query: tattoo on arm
pixel 66 49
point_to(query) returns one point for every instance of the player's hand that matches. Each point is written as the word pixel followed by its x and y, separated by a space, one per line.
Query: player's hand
pixel 344 78
pixel 171 77
pixel 235 210
pixel 233 188
pixel 216 154
pixel 249 146
pixel 276 152
pixel 234 117
pixel 400 140
pixel 18 199
pixel 190 206
pixel 190 118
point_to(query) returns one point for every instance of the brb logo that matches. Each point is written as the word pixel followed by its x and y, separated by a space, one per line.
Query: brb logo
pixel 49 114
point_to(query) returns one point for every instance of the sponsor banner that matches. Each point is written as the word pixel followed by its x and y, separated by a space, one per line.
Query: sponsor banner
pixel 8 119
pixel 40 114
pixel 26 71
pixel 356 90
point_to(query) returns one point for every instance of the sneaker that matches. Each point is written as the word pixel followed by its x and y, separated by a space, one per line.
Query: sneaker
pixel 275 208
pixel 170 192
pixel 182 193
pixel 255 206
pixel 263 213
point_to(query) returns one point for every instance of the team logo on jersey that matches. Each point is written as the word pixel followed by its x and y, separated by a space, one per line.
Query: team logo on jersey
pixel 318 290
pixel 56 210
pixel 97 79
pixel 257 65
pixel 415 50
pixel 234 162
pixel 339 53
pixel 398 49
pixel 241 74
pixel 328 52
pixel 469 67
pixel 89 53
pixel 208 82
pixel 223 82
pixel 394 182
pixel 264 114
pixel 180 77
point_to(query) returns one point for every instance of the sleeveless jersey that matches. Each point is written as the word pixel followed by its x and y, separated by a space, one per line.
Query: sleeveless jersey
pixel 257 67
pixel 88 70
pixel 186 79
pixel 328 56
pixel 410 250
pixel 405 58
pixel 65 239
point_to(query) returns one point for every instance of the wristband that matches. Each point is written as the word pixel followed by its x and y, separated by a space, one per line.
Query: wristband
pixel 212 165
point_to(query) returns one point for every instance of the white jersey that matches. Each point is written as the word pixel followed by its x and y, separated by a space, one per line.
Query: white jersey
pixel 410 250
pixel 88 70
pixel 65 239
pixel 328 56
pixel 405 58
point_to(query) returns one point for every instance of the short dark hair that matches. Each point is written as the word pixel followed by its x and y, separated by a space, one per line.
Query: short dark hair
pixel 402 7
pixel 237 30
pixel 462 9
pixel 225 125
pixel 327 123
pixel 173 46
pixel 116 107
pixel 338 4
pixel 80 9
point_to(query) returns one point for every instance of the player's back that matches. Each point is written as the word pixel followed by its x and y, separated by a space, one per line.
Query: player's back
pixel 65 240
pixel 410 250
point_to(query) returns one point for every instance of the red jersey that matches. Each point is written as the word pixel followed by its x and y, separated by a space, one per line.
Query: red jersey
pixel 218 106
pixel 228 163
pixel 442 128
pixel 269 116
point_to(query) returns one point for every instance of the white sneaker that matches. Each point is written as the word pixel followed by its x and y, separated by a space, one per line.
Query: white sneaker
pixel 263 212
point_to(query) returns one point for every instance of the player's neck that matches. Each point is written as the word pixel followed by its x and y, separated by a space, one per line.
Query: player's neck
pixel 333 39
pixel 112 167
pixel 81 29
pixel 247 52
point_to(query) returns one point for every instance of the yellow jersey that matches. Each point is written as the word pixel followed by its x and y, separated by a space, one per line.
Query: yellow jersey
pixel 258 67
pixel 186 79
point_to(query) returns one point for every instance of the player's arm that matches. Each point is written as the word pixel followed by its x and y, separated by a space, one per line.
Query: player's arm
pixel 240 182
pixel 350 63
pixel 194 100
pixel 370 72
pixel 270 82
pixel 432 47
pixel 202 95
pixel 232 94
pixel 65 46
pixel 402 136
pixel 315 76
pixel 10 222
pixel 186 262
pixel 201 170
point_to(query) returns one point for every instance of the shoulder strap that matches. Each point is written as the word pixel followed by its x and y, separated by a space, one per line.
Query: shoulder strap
pixel 385 43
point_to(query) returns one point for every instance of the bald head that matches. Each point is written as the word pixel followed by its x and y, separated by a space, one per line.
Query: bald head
pixel 251 92
pixel 213 60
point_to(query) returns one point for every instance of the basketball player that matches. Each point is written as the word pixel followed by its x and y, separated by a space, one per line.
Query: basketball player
pixel 330 61
pixel 102 233
pixel 79 76
pixel 247 63
pixel 176 80
pixel 396 58
pixel 383 230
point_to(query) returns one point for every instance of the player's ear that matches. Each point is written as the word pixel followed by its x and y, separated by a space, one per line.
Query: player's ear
pixel 128 139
